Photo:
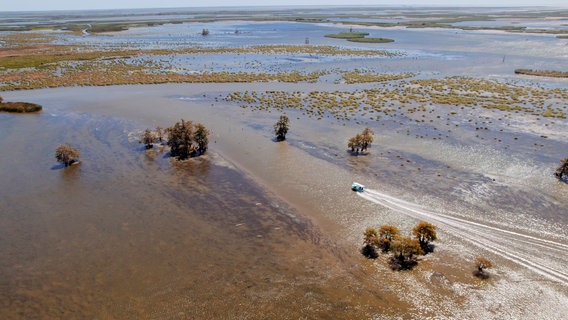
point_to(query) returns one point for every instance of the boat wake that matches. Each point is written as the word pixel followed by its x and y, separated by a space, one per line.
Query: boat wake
pixel 545 257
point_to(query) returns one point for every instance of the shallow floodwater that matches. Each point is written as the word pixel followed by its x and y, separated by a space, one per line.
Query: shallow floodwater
pixel 258 229
pixel 130 234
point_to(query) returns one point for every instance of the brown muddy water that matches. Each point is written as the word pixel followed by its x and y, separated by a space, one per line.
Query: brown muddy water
pixel 258 229
pixel 129 234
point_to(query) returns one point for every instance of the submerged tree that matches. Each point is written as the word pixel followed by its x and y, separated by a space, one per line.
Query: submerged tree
pixel 355 143
pixel 281 127
pixel 480 265
pixel 361 141
pixel 387 234
pixel 366 138
pixel 67 154
pixel 159 134
pixel 181 139
pixel 405 251
pixel 562 171
pixel 148 138
pixel 201 137
pixel 425 233
pixel 370 242
pixel 186 140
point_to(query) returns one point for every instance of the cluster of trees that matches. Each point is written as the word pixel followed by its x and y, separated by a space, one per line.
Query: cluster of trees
pixel 361 141
pixel 404 249
pixel 562 171
pixel 150 137
pixel 184 138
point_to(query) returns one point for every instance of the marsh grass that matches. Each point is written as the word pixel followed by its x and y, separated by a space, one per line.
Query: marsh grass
pixel 20 107
pixel 47 65
pixel 414 99
pixel 365 77
pixel 371 40
pixel 358 37
pixel 347 35
pixel 542 73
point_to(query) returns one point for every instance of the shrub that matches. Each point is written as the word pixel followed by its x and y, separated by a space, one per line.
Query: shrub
pixel 67 154
pixel 480 265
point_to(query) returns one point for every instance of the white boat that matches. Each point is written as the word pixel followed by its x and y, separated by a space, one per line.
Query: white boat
pixel 357 187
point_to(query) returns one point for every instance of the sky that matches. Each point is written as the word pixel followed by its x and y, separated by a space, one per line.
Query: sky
pixel 42 5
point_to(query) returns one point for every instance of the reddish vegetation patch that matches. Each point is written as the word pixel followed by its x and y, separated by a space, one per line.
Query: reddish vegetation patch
pixel 27 51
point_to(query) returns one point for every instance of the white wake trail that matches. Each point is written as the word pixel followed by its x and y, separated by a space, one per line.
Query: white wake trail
pixel 545 257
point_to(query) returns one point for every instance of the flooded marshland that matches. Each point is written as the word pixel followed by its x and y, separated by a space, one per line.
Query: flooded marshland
pixel 129 234
pixel 258 229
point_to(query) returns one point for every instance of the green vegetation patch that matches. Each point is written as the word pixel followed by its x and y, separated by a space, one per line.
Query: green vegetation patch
pixel 542 73
pixel 358 37
pixel 20 107
pixel 347 35
pixel 365 77
pixel 371 40
pixel 411 97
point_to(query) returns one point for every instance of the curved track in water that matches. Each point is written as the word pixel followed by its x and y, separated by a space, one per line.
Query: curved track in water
pixel 545 257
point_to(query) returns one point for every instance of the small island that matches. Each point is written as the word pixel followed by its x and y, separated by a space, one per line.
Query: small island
pixel 542 73
pixel 358 37
pixel 19 107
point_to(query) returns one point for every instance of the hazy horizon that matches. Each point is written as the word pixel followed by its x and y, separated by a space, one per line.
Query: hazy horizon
pixel 58 5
